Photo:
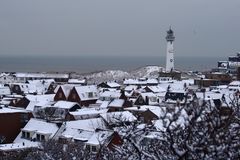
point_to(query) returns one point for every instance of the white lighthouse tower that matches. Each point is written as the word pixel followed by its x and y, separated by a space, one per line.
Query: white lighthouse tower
pixel 170 52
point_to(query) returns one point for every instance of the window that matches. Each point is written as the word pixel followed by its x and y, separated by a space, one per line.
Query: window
pixel 90 94
pixel 23 134
pixel 38 137
pixel 27 135
pixel 87 147
pixel 42 138
pixel 17 88
pixel 153 99
pixel 94 149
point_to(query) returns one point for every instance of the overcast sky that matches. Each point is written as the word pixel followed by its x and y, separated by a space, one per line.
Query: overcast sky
pixel 119 27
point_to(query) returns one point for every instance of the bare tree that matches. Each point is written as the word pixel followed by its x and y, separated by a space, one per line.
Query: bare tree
pixel 205 133
pixel 199 130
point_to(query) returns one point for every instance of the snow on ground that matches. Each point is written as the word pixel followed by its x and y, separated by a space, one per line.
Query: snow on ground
pixel 119 75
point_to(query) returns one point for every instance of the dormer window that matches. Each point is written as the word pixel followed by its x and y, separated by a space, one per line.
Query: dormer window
pixel 153 99
pixel 42 138
pixel 90 94
pixel 94 149
pixel 28 135
pixel 25 134
pixel 88 147
pixel 38 137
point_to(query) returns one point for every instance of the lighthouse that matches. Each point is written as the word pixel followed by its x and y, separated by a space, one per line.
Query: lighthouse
pixel 170 52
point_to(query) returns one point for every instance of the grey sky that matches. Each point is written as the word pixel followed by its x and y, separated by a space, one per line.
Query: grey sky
pixel 119 27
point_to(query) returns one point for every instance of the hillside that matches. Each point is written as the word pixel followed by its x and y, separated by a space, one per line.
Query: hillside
pixel 119 75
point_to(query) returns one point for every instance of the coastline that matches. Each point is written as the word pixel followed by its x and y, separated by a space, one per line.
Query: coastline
pixel 90 64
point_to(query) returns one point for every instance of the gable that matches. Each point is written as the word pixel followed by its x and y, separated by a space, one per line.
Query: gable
pixel 22 103
pixel 60 95
pixel 140 101
pixel 73 96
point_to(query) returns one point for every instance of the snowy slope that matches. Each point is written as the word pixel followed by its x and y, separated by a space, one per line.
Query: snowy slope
pixel 109 75
pixel 148 71
pixel 119 75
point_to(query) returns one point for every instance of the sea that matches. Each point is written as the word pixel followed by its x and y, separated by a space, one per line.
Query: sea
pixel 85 64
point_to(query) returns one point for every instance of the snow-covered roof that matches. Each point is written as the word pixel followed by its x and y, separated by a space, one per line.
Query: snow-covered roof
pixel 144 81
pixel 176 85
pixel 77 81
pixel 5 90
pixel 115 117
pixel 113 94
pixel 66 88
pixel 152 98
pixel 4 74
pixel 37 81
pixel 158 111
pixel 117 103
pixel 45 103
pixel 39 100
pixel 65 104
pixel 130 87
pixel 235 83
pixel 37 126
pixel 18 146
pixel 86 124
pixel 104 104
pixel 222 86
pixel 14 96
pixel 128 94
pixel 178 91
pixel 157 89
pixel 113 84
pixel 36 87
pixel 99 138
pixel 77 134
pixel 209 95
pixel 188 81
pixel 12 110
pixel 88 111
pixel 89 92
pixel 41 126
pixel 89 137
pixel 147 94
pixel 41 75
